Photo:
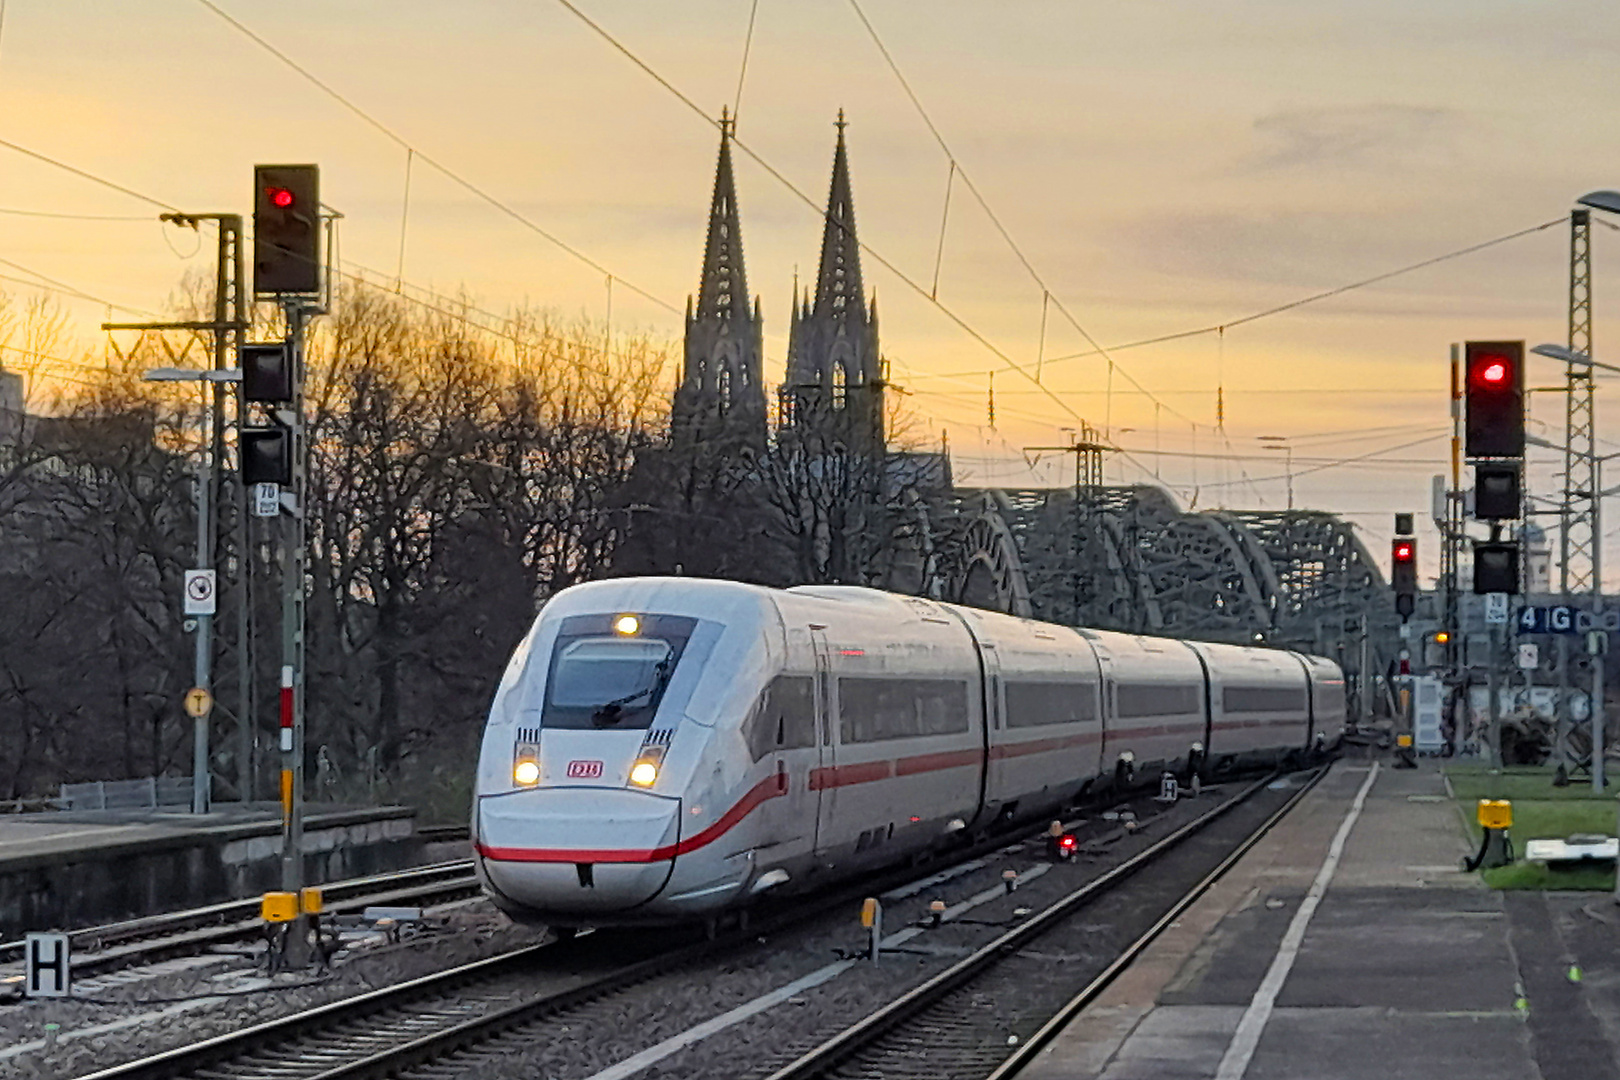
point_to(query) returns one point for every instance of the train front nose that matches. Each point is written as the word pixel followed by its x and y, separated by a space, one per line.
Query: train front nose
pixel 578 850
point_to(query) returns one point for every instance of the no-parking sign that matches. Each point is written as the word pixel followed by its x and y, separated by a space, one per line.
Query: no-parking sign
pixel 200 592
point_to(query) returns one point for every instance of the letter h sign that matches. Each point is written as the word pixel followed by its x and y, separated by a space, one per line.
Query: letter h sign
pixel 49 974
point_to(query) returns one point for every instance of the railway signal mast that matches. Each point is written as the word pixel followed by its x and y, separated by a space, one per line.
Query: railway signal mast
pixel 287 269
pixel 1493 439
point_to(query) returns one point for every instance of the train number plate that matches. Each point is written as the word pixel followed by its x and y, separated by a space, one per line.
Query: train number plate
pixel 584 770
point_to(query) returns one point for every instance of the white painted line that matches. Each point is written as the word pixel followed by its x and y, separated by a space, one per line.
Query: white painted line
pixel 1247 1036
pixel 658 1052
pixel 696 1034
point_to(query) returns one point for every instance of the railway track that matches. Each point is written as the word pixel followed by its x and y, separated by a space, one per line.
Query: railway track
pixel 98 950
pixel 988 1015
pixel 469 1017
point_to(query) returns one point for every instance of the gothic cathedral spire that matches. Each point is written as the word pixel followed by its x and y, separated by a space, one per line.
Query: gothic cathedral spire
pixel 835 375
pixel 721 393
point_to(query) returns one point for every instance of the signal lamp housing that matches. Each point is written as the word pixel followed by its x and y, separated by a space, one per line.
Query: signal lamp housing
pixel 1496 567
pixel 286 230
pixel 1494 398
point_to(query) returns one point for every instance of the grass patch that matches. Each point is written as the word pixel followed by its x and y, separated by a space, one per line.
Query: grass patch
pixel 1523 875
pixel 1471 782
pixel 1540 812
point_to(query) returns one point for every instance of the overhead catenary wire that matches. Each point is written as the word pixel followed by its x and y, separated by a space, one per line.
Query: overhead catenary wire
pixel 151 200
pixel 445 306
pixel 19 212
pixel 94 179
pixel 1338 463
pixel 742 70
pixel 435 163
pixel 51 284
pixel 1314 297
pixel 404 218
pixel 770 170
pixel 984 204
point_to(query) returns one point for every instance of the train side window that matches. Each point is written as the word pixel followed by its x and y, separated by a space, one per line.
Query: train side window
pixel 1032 704
pixel 784 719
pixel 1263 699
pixel 1133 699
pixel 874 709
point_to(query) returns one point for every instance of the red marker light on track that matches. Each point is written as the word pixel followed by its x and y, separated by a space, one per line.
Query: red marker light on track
pixel 280 197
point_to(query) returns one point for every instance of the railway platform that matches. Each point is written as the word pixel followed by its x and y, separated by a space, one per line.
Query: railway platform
pixel 1349 945
pixel 63 869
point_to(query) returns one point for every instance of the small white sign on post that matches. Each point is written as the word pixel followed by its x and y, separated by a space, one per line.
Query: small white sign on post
pixel 200 592
pixel 49 973
pixel 1496 608
pixel 1529 655
pixel 266 500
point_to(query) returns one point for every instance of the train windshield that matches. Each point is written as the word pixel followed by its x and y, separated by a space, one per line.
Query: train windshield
pixel 610 679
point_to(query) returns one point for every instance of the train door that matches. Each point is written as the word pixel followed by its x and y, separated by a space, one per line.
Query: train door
pixel 1195 762
pixel 782 737
pixel 826 741
pixel 1112 741
pixel 1311 725
pixel 992 777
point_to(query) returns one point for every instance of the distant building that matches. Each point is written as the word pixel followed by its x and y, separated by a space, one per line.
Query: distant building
pixel 1537 560
pixel 722 396
pixel 11 404
pixel 835 377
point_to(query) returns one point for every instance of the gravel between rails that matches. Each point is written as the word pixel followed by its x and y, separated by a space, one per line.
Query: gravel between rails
pixel 966 1032
pixel 595 1037
pixel 594 1040
pixel 471 932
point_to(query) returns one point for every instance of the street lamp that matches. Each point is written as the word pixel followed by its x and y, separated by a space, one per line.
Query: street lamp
pixel 1281 443
pixel 199 704
pixel 1558 352
pixel 1602 200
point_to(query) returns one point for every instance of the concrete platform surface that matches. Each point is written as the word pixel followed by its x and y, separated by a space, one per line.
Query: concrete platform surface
pixel 54 833
pixel 1348 945
pixel 62 870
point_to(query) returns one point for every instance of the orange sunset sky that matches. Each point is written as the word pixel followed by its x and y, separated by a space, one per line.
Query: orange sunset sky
pixel 1163 167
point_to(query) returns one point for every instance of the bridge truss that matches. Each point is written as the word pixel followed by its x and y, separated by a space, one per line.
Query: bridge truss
pixel 1130 559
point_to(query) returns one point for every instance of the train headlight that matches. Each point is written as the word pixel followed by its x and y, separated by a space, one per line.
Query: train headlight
pixel 643 774
pixel 526 772
pixel 627 625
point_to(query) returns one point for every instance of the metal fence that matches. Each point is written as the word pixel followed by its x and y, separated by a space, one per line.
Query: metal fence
pixel 147 793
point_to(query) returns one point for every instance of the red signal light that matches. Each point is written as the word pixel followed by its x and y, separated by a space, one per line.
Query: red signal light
pixel 280 197
pixel 1492 372
pixel 1403 551
pixel 1068 843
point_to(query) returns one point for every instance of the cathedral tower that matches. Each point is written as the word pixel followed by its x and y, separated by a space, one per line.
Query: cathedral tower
pixel 835 375
pixel 721 396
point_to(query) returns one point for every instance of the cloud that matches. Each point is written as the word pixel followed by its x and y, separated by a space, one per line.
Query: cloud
pixel 1351 135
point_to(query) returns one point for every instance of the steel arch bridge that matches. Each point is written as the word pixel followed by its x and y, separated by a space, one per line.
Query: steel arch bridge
pixel 1129 558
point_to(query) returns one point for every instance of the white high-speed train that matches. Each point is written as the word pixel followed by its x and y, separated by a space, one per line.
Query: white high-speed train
pixel 663 749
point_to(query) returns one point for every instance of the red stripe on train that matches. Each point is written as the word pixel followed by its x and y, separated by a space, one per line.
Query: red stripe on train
pixel 767 788
pixel 949 759
pixel 1040 746
pixel 844 775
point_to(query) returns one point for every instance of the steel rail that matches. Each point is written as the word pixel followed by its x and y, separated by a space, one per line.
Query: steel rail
pixel 353 1027
pixel 325 1025
pixel 98 949
pixel 1025 1052
pixel 848 1043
